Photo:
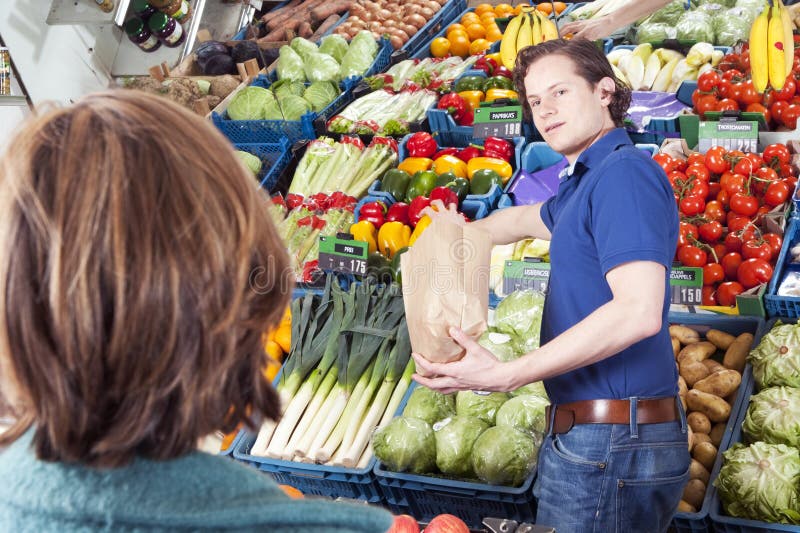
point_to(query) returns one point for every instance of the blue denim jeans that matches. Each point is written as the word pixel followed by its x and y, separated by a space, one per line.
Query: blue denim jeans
pixel 601 478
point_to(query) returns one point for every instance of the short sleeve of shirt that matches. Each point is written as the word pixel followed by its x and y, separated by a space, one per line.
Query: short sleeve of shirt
pixel 633 213
pixel 546 212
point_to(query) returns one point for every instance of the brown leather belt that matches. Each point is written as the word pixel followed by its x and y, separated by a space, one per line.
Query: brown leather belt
pixel 648 411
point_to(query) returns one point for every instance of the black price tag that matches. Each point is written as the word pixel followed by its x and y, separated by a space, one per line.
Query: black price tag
pixel 519 275
pixel 686 285
pixel 345 256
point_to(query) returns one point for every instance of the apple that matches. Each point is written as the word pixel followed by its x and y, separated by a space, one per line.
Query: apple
pixel 404 524
pixel 446 523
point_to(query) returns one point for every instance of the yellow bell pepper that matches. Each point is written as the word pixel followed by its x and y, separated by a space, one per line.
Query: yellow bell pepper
pixel 393 236
pixel 496 57
pixel 365 231
pixel 415 164
pixel 450 163
pixel 473 98
pixel 423 223
pixel 503 168
pixel 496 94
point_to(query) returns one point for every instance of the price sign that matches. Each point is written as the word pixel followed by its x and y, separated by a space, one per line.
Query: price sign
pixel 686 285
pixel 730 134
pixel 504 122
pixel 343 255
pixel 525 275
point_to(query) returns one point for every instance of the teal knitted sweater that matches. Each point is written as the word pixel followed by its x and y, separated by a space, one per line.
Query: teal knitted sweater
pixel 198 492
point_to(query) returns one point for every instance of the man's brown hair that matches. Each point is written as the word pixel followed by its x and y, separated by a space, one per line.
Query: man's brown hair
pixel 590 63
pixel 138 271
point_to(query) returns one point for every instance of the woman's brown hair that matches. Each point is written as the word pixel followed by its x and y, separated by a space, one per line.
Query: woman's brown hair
pixel 590 63
pixel 138 271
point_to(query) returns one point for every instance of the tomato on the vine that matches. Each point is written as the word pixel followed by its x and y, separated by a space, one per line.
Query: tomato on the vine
pixel 709 295
pixel 715 160
pixel 708 81
pixel 777 110
pixel 727 292
pixel 710 232
pixel 730 264
pixel 790 115
pixel 706 103
pixel 686 232
pixel 666 162
pixel 691 255
pixel 754 272
pixel 776 153
pixel 775 242
pixel 744 204
pixel 732 182
pixel 692 205
pixel 777 192
pixel 757 248
pixel 713 273
pixel 733 242
pixel 714 211
pixel 698 171
pixel 748 94
pixel 728 104
pixel 788 90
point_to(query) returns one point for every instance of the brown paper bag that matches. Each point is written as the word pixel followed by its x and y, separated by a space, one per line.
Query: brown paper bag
pixel 445 284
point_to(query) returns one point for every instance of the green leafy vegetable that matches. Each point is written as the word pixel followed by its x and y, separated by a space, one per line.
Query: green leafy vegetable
pixel 504 456
pixel 454 440
pixel 776 359
pixel 334 45
pixel 294 107
pixel 283 88
pixel 429 405
pixel 520 315
pixel 525 413
pixel 303 47
pixel 252 162
pixel 695 25
pixel 406 445
pixel 774 416
pixel 320 94
pixel 250 103
pixel 500 344
pixel 290 65
pixel 535 389
pixel 481 405
pixel 321 67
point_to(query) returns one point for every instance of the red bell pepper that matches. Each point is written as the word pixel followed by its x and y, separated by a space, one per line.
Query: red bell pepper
pixel 499 148
pixel 388 141
pixel 467 118
pixel 454 104
pixel 374 212
pixel 445 151
pixel 416 207
pixel 465 154
pixel 421 144
pixel 446 195
pixel 398 212
pixel 486 64
pixel 503 71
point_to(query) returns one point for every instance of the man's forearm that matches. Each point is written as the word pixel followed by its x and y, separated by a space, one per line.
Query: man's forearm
pixel 634 10
pixel 513 224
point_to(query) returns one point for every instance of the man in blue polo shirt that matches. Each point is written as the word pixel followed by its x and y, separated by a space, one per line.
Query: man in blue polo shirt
pixel 615 457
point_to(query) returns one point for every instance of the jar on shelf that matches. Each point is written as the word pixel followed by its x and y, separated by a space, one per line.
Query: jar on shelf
pixel 141 36
pixel 143 9
pixel 105 5
pixel 167 29
pixel 178 9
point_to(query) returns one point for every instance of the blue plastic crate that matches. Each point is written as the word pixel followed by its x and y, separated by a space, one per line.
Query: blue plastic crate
pixel 424 497
pixel 783 306
pixel 723 523
pixel 735 325
pixel 450 134
pixel 229 451
pixel 475 209
pixel 685 91
pixel 271 131
pixel 438 22
pixel 274 159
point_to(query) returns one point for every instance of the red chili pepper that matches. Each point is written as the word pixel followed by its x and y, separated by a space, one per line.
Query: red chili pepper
pixel 388 141
pixel 416 207
pixel 293 200
pixel 445 151
pixel 465 154
pixel 374 212
pixel 421 144
pixel 446 195
pixel 454 104
pixel 499 148
pixel 467 118
pixel 398 212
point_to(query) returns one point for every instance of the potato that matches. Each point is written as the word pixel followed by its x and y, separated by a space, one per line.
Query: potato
pixel 720 384
pixel 692 371
pixel 699 422
pixel 694 492
pixel 713 366
pixel 684 507
pixel 714 407
pixel 698 471
pixel 684 335
pixel 697 351
pixel 720 339
pixel 676 346
pixel 716 433
pixel 701 437
pixel 682 387
pixel 736 355
pixel 705 453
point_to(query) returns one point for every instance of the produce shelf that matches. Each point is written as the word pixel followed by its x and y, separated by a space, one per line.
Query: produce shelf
pixel 274 159
pixel 422 39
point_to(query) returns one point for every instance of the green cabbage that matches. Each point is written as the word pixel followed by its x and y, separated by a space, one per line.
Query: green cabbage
pixel 732 25
pixel 525 413
pixel 359 56
pixel 294 107
pixel 250 103
pixel 520 315
pixel 695 25
pixel 321 67
pixel 365 41
pixel 252 162
pixel 483 405
pixel 776 359
pixel 454 439
pixel 499 344
pixel 760 482
pixel 430 405
pixel 290 65
pixel 651 32
pixel 303 47
pixel 536 389
pixel 669 14
pixel 504 456
pixel 774 416
pixel 320 94
pixel 334 45
pixel 283 88
pixel 272 111
pixel 406 445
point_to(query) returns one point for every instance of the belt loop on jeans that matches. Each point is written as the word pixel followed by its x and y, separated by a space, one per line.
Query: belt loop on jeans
pixel 551 416
pixel 634 424
pixel 682 416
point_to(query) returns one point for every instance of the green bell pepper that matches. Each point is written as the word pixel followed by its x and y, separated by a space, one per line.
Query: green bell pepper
pixel 445 178
pixel 395 182
pixel 470 83
pixel 483 179
pixel 396 270
pixel 422 183
pixel 379 267
pixel 497 82
pixel 460 186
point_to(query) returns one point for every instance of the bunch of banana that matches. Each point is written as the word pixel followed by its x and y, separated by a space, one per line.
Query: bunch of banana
pixel 771 47
pixel 662 69
pixel 529 28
